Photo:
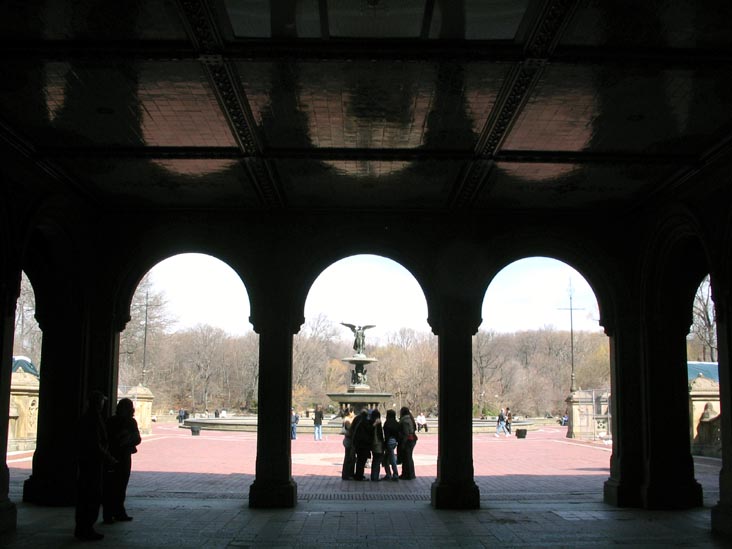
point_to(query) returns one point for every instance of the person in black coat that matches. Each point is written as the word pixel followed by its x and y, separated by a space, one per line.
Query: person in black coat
pixel 362 438
pixel 94 457
pixel 124 437
pixel 392 431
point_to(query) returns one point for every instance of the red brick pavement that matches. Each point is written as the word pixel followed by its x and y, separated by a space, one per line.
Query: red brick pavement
pixel 544 465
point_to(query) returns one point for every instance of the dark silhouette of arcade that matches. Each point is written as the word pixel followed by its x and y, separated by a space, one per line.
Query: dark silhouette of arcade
pixel 453 137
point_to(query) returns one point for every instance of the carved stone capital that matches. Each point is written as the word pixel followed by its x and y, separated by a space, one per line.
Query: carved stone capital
pixel 455 316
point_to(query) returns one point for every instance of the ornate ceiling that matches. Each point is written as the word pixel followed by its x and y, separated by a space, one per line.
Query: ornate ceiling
pixel 366 104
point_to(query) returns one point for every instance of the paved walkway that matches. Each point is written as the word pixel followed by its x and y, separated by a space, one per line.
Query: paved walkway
pixel 542 491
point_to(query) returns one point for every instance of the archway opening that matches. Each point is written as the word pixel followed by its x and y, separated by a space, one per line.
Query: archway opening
pixel 384 299
pixel 25 378
pixel 704 391
pixel 189 347
pixel 541 353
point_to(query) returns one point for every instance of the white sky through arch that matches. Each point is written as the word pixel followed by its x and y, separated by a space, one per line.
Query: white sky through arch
pixel 533 293
pixel 366 289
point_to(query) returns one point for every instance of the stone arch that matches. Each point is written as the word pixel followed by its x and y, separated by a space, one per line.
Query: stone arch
pixel 674 263
pixel 598 272
pixel 144 258
pixel 332 256
pixel 675 260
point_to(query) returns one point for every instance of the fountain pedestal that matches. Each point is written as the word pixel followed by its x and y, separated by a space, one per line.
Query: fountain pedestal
pixel 359 395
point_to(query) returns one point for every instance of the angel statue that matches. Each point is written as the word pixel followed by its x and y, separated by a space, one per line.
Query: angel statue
pixel 359 341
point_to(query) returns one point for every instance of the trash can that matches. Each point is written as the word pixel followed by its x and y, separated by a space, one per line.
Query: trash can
pixel 195 430
pixel 520 433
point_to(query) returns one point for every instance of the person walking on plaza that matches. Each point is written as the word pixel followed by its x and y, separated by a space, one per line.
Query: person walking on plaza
pixel 509 420
pixel 318 423
pixel 349 454
pixel 501 423
pixel 377 445
pixel 124 437
pixel 294 420
pixel 94 456
pixel 408 430
pixel 391 437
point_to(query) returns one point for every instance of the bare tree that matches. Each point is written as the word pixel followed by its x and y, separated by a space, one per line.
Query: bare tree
pixel 488 360
pixel 28 336
pixel 241 375
pixel 312 348
pixel 704 321
pixel 140 344
pixel 206 356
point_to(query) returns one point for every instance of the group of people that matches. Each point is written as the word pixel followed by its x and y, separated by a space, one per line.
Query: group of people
pixel 387 443
pixel 105 461
pixel 503 422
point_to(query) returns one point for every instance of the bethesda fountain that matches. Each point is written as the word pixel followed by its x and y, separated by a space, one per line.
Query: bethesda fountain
pixel 358 395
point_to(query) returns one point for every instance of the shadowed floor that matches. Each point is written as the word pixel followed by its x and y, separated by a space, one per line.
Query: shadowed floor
pixel 542 491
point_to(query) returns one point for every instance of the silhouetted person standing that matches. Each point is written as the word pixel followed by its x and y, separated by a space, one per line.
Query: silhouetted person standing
pixel 124 436
pixel 363 436
pixel 408 441
pixel 94 456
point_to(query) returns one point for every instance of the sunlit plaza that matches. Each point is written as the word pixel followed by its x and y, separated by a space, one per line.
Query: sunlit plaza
pixel 541 491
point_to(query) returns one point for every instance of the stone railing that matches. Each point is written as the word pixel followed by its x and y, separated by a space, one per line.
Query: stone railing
pixel 23 412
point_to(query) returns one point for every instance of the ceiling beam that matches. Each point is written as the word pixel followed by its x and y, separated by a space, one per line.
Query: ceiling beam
pixel 206 37
pixel 343 153
pixel 542 39
pixel 411 50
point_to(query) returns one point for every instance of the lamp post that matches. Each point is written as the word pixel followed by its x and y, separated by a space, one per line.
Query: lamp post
pixel 571 309
pixel 144 340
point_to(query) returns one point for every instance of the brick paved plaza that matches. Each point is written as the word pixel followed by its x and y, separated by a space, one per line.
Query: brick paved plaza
pixel 542 491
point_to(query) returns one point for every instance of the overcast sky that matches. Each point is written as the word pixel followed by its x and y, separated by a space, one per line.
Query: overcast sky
pixel 366 289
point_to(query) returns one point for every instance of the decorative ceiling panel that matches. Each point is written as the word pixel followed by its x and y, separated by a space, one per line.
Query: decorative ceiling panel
pixel 376 18
pixel 483 20
pixel 367 184
pixel 174 183
pixel 569 186
pixel 626 109
pixel 651 24
pixel 178 107
pixel 363 104
pixel 91 20
pixel 124 104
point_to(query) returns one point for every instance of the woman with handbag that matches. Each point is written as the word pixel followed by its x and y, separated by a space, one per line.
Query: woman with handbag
pixel 349 455
pixel 391 436
pixel 124 437
pixel 377 448
pixel 408 430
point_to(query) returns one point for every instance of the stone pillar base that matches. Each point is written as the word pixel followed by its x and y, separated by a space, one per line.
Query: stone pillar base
pixel 455 496
pixel 621 494
pixel 49 492
pixel 722 520
pixel 673 496
pixel 8 516
pixel 268 496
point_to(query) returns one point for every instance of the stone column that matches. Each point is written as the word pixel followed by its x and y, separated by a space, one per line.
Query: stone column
pixel 455 324
pixel 102 331
pixel 669 481
pixel 623 488
pixel 8 511
pixel 273 485
pixel 53 480
pixel 722 512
